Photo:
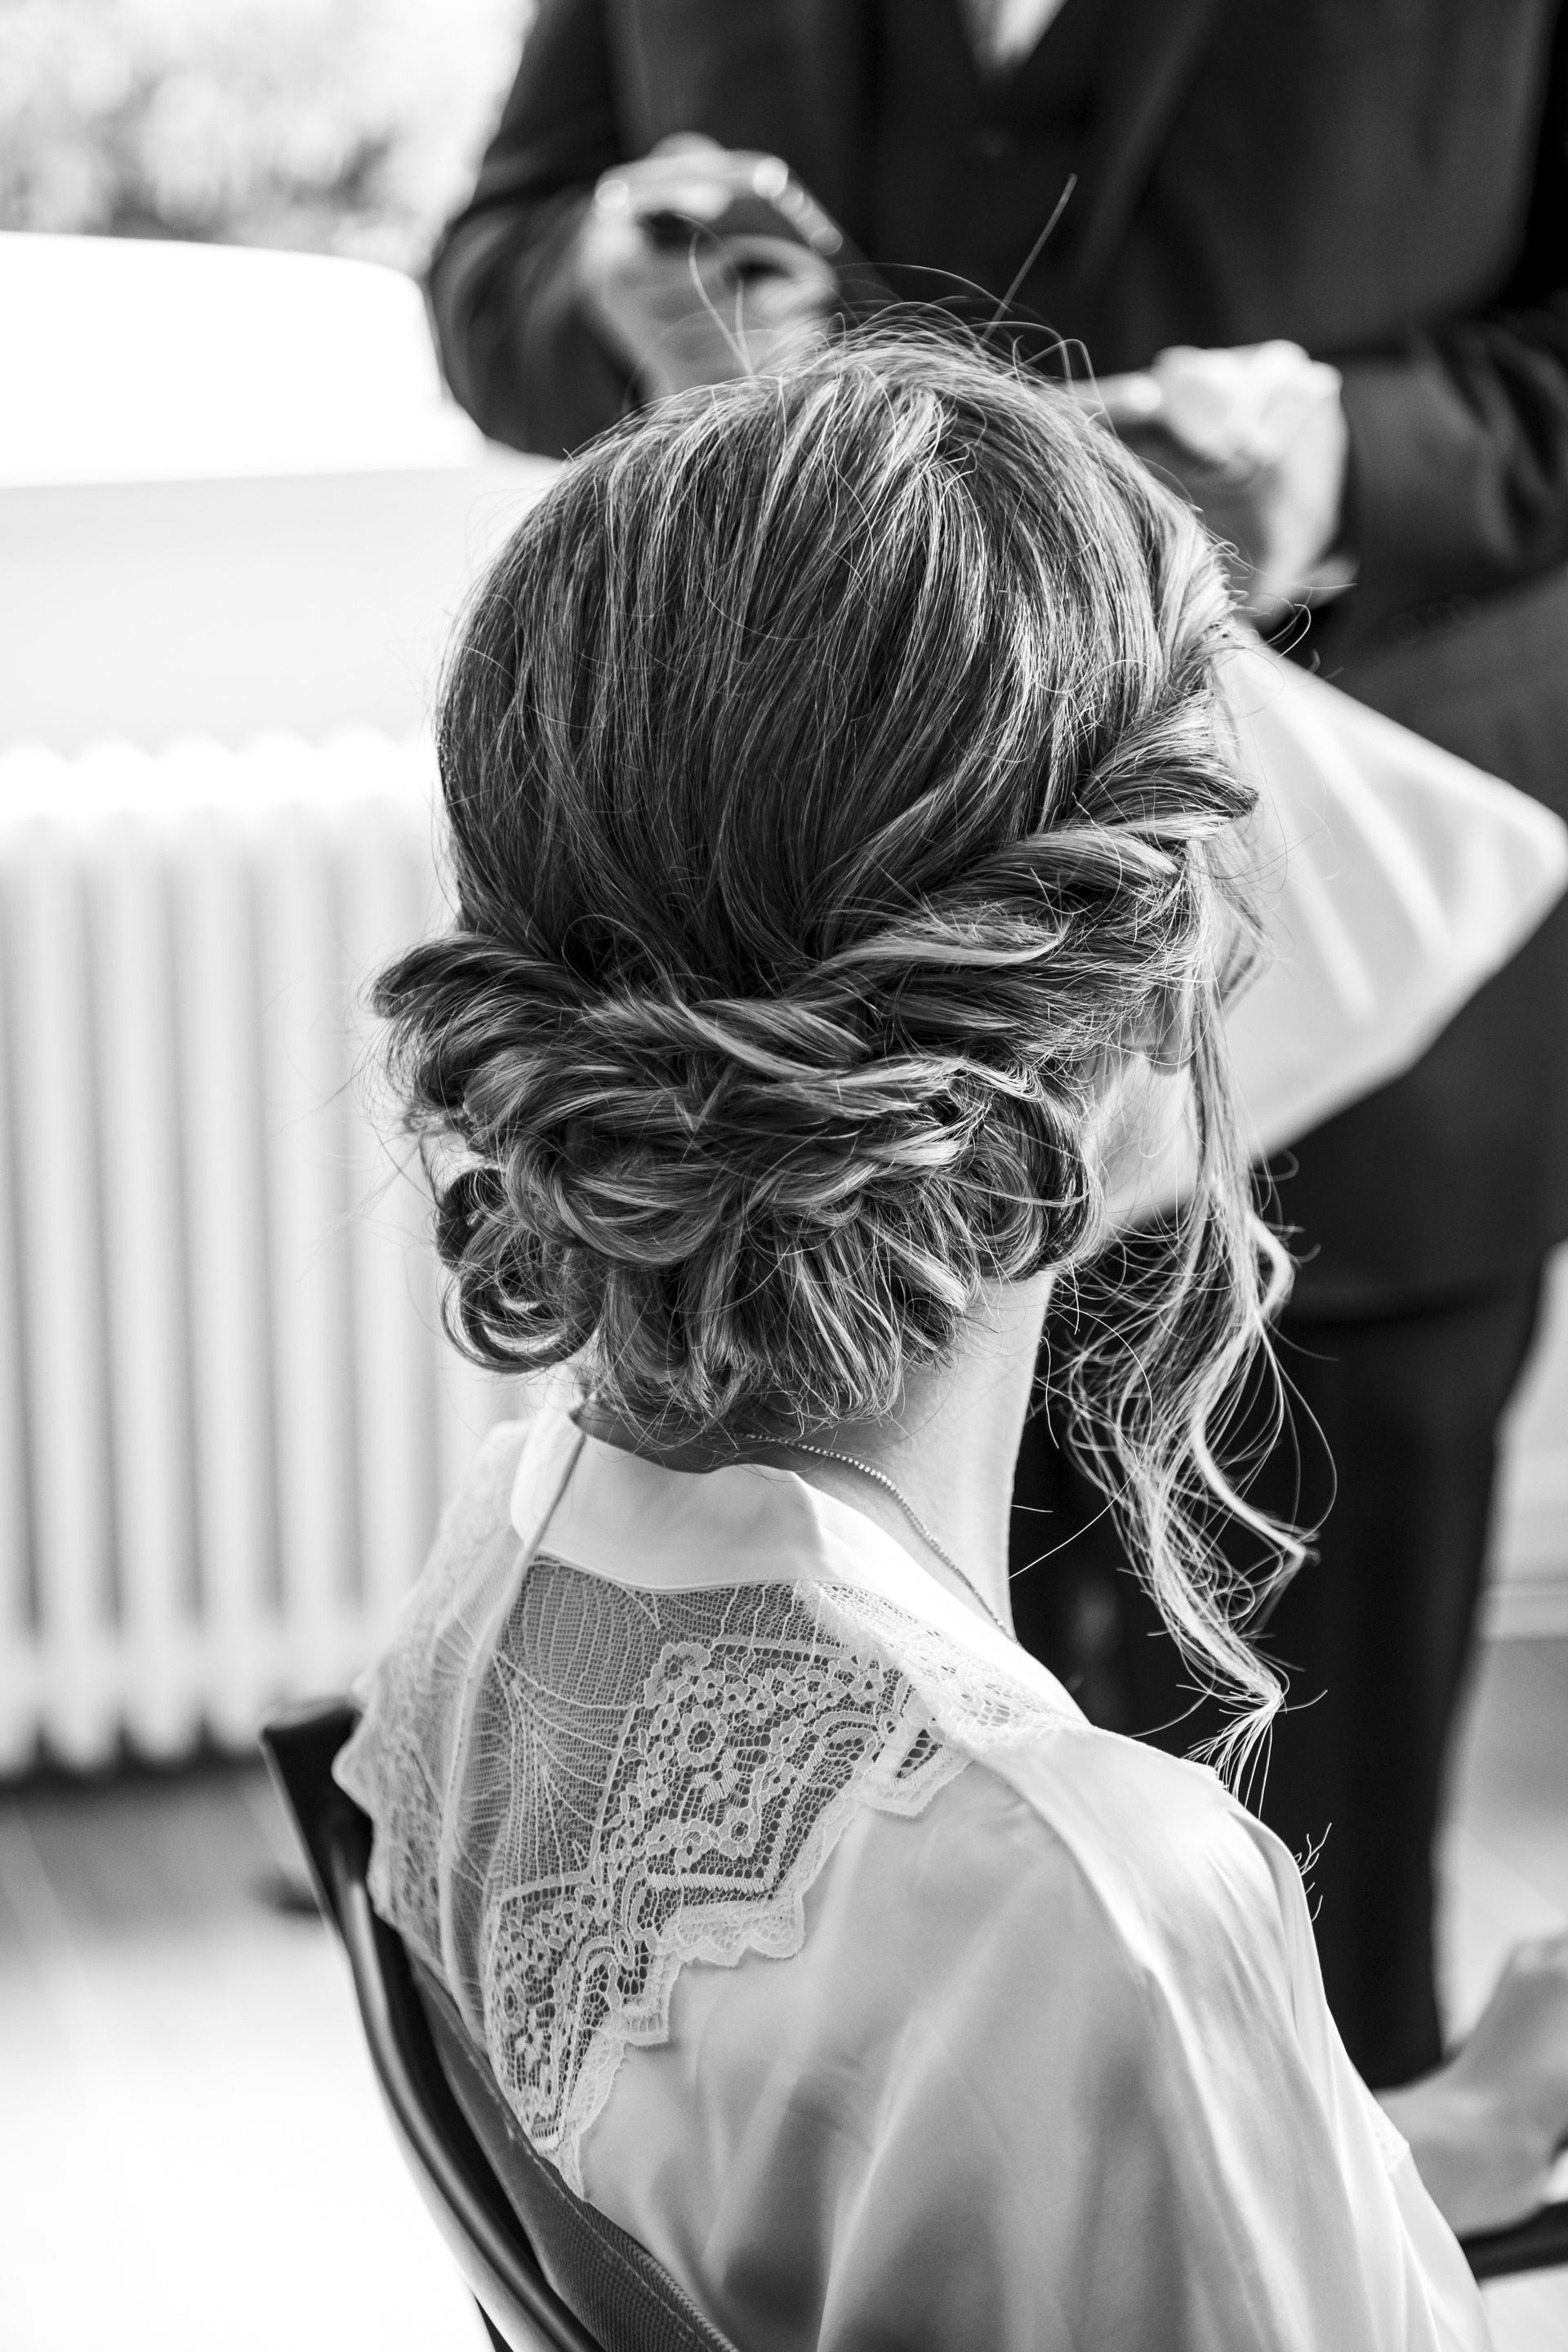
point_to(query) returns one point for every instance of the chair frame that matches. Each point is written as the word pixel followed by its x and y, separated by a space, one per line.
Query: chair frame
pixel 470 2207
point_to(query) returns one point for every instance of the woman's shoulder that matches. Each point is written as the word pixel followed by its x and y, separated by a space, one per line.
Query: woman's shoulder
pixel 482 1501
pixel 1071 1809
pixel 1084 1836
pixel 1169 1813
pixel 397 1763
pixel 980 2079
pixel 1082 1885
pixel 475 1519
pixel 1196 1894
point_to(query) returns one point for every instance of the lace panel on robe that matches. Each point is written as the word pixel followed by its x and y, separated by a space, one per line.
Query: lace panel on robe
pixel 578 1785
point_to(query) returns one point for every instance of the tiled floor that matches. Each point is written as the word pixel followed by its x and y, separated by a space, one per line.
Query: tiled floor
pixel 190 2154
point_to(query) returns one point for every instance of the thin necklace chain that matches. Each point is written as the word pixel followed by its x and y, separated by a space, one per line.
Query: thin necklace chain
pixel 880 1478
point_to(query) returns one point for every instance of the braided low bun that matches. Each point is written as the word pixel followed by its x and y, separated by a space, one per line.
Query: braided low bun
pixel 754 1210
pixel 836 791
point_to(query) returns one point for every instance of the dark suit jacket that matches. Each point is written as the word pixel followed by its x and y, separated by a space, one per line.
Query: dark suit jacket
pixel 1383 181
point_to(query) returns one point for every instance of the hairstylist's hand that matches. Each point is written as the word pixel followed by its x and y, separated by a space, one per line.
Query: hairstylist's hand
pixel 1485 2128
pixel 1257 438
pixel 711 307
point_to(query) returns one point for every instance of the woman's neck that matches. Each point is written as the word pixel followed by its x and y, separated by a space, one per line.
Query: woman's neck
pixel 950 1449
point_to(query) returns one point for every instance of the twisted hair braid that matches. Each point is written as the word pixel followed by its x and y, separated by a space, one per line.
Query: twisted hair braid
pixel 837 795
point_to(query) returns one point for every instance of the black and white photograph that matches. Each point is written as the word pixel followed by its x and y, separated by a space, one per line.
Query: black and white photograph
pixel 784 1175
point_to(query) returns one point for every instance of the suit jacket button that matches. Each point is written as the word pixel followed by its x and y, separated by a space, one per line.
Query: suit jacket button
pixel 993 148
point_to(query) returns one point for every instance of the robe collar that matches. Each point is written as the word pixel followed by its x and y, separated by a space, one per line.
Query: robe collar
pixel 612 1513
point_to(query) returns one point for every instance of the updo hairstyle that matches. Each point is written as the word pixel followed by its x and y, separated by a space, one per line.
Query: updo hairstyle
pixel 836 797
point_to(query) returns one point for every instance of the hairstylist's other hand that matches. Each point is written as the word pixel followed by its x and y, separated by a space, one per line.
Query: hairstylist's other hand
pixel 1485 2128
pixel 709 307
pixel 1257 438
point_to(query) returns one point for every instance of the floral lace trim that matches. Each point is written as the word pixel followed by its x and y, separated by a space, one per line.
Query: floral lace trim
pixel 734 1772
pixel 975 1702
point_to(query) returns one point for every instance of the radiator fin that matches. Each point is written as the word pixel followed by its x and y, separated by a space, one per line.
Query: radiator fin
pixel 227 1414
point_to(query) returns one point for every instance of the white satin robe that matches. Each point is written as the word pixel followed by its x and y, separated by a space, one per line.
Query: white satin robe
pixel 1052 2070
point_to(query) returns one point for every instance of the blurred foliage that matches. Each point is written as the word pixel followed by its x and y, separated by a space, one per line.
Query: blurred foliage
pixel 346 126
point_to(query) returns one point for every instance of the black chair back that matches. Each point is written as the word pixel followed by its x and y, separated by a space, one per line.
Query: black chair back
pixel 549 2272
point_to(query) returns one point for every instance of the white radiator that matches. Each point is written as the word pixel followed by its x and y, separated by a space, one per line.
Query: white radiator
pixel 227 1418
